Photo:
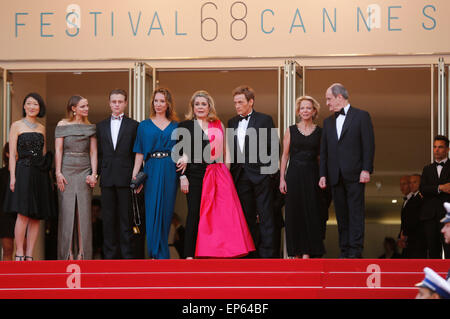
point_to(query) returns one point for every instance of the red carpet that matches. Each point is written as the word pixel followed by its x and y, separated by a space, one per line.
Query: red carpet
pixel 216 279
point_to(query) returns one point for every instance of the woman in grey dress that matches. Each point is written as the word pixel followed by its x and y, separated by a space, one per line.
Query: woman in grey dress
pixel 76 175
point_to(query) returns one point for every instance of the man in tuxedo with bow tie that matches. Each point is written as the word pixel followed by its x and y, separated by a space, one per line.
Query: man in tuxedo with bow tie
pixel 115 138
pixel 247 133
pixel 405 190
pixel 411 225
pixel 435 187
pixel 346 161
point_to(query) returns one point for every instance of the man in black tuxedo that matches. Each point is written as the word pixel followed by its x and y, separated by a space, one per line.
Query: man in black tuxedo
pixel 405 190
pixel 411 226
pixel 435 187
pixel 254 149
pixel 116 136
pixel 346 161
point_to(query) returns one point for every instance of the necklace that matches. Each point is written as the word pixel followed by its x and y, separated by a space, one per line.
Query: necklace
pixel 29 124
pixel 306 131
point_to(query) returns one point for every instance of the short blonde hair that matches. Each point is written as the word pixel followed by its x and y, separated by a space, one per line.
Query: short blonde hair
pixel 314 102
pixel 212 114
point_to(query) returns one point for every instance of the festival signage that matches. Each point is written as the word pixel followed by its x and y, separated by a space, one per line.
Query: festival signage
pixel 167 29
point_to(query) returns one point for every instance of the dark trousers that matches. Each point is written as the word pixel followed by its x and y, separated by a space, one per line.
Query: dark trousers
pixel 117 223
pixel 416 248
pixel 257 203
pixel 193 217
pixel 348 198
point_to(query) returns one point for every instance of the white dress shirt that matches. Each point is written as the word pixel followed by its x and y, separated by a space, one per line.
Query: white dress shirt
pixel 439 167
pixel 340 121
pixel 241 130
pixel 408 197
pixel 115 127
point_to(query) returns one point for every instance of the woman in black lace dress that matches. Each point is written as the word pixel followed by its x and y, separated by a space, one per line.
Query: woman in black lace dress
pixel 29 194
pixel 303 211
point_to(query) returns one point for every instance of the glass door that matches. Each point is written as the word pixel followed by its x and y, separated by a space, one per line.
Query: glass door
pixel 293 88
pixel 142 86
pixel 5 105
pixel 443 111
pixel 2 108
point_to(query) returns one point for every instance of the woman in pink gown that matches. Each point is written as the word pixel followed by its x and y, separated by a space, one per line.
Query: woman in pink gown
pixel 222 228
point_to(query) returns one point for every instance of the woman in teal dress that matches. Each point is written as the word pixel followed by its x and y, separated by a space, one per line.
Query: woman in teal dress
pixel 153 146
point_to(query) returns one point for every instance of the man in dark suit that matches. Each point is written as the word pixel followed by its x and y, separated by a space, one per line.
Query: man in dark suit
pixel 411 227
pixel 435 187
pixel 116 136
pixel 346 162
pixel 405 190
pixel 254 148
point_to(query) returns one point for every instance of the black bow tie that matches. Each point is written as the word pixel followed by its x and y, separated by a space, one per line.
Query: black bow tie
pixel 336 114
pixel 244 117
pixel 440 164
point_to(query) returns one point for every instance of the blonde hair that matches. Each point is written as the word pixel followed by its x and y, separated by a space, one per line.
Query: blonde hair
pixel 314 102
pixel 171 115
pixel 73 101
pixel 212 114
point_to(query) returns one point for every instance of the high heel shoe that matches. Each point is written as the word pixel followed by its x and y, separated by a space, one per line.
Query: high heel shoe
pixel 19 258
pixel 28 258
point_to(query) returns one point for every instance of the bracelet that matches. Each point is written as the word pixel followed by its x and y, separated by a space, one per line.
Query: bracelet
pixel 183 177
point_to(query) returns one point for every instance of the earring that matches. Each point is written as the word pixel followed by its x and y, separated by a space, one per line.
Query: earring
pixel 74 113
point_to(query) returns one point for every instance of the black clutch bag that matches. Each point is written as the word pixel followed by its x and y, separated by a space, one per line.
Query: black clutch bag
pixel 140 179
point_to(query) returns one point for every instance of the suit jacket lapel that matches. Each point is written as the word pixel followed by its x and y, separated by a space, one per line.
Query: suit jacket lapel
pixel 252 120
pixel 236 122
pixel 108 133
pixel 333 128
pixel 444 172
pixel 348 119
pixel 122 129
pixel 251 123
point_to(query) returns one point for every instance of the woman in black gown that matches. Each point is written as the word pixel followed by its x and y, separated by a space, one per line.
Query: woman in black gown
pixel 30 192
pixel 7 221
pixel 303 211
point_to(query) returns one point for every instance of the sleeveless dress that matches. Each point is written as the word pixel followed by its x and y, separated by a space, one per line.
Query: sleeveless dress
pixel 303 211
pixel 76 166
pixel 222 228
pixel 33 195
pixel 7 221
pixel 160 188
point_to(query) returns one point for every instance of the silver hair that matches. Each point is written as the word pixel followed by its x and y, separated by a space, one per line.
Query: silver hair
pixel 337 89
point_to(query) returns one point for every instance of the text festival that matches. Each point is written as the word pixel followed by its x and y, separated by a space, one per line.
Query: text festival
pixel 237 16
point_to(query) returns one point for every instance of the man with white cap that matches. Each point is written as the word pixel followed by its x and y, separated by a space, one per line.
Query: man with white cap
pixel 433 286
pixel 446 230
pixel 446 221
